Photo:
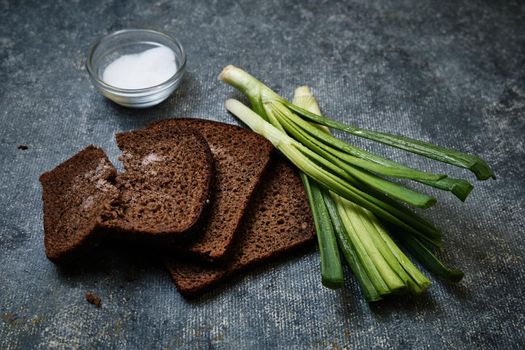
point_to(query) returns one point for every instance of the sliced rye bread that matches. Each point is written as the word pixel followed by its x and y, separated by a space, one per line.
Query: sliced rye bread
pixel 240 158
pixel 75 194
pixel 277 220
pixel 165 187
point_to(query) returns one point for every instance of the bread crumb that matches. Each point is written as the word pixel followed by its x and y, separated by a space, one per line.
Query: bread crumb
pixel 151 158
pixel 93 299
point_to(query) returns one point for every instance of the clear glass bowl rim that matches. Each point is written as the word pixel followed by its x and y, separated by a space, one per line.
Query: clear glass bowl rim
pixel 178 74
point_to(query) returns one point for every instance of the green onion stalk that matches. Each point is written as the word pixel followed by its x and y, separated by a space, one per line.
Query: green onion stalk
pixel 356 175
pixel 331 268
pixel 380 267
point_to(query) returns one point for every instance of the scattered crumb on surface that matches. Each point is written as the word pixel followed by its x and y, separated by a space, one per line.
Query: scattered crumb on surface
pixel 37 319
pixel 93 299
pixel 23 147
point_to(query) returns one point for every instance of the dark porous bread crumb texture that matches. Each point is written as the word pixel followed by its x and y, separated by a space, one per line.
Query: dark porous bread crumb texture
pixel 166 183
pixel 93 299
pixel 240 158
pixel 75 194
pixel 277 220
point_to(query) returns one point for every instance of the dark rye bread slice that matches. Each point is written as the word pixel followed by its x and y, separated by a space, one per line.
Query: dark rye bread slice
pixel 240 158
pixel 165 187
pixel 277 220
pixel 75 194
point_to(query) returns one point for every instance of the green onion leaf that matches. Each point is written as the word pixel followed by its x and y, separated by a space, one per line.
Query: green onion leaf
pixel 331 269
pixel 394 169
pixel 349 172
pixel 368 264
pixel 429 260
pixel 464 160
pixel 419 283
pixel 459 187
pixel 364 235
pixel 295 152
pixel 345 244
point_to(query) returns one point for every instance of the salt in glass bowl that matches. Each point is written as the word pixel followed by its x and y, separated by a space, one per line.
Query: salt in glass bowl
pixel 132 41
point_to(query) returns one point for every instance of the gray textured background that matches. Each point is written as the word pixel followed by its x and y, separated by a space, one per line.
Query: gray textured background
pixel 448 71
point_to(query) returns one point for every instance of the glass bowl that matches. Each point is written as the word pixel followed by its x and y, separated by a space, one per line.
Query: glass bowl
pixel 133 41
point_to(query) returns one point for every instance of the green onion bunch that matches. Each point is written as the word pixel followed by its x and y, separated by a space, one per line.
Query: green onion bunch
pixel 351 192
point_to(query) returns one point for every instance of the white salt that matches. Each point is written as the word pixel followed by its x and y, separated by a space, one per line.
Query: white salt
pixel 145 69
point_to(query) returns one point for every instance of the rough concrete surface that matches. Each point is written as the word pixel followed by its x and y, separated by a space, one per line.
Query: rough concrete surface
pixel 452 72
